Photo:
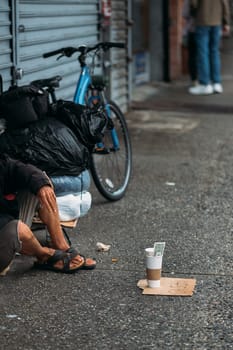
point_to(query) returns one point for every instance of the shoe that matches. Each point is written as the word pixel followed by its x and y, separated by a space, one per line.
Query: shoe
pixel 89 264
pixel 201 90
pixel 58 255
pixel 195 83
pixel 218 88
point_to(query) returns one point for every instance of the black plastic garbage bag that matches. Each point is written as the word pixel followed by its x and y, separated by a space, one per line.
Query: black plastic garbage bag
pixel 21 105
pixel 48 144
pixel 87 124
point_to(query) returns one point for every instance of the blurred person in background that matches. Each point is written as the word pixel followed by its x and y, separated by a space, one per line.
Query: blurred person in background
pixel 212 17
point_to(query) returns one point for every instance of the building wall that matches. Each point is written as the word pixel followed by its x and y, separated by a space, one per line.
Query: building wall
pixel 147 40
pixel 119 77
pixel 157 31
pixel 43 26
pixel 29 28
pixel 175 38
pixel 6 43
pixel 156 40
pixel 140 41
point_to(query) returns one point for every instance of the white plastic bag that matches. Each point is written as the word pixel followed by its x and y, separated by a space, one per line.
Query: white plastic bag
pixel 73 206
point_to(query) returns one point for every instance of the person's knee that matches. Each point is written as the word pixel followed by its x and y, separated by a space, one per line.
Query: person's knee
pixel 9 245
pixel 47 215
pixel 24 231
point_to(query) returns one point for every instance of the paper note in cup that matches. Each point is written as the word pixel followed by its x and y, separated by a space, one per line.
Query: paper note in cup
pixel 154 257
pixel 159 248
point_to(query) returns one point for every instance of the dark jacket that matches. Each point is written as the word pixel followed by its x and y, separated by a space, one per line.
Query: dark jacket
pixel 14 176
pixel 210 12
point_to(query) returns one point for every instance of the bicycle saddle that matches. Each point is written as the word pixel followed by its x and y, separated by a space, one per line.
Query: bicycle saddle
pixel 50 82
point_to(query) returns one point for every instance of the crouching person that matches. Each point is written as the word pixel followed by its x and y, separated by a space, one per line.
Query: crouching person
pixel 15 236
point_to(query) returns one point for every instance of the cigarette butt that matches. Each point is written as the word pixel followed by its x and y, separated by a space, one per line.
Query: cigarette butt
pixel 114 260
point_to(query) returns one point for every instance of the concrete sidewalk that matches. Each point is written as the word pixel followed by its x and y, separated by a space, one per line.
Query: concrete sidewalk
pixel 175 96
pixel 181 193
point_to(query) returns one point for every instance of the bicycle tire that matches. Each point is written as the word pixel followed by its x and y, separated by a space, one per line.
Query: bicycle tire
pixel 111 172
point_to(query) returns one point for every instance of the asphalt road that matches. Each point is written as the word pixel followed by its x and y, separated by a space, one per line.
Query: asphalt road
pixel 180 193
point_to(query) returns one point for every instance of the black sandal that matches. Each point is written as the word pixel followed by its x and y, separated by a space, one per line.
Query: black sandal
pixel 73 252
pixel 57 256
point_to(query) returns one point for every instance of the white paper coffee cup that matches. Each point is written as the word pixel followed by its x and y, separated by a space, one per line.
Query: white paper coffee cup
pixel 149 251
pixel 153 268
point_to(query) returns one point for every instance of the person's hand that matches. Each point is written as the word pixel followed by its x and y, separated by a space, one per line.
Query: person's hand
pixel 226 30
pixel 47 198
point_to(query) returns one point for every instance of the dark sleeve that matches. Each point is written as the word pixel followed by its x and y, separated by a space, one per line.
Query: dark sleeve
pixel 24 176
pixel 226 12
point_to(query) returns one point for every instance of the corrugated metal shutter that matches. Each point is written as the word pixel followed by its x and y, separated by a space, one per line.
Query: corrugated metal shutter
pixel 5 43
pixel 45 25
pixel 119 73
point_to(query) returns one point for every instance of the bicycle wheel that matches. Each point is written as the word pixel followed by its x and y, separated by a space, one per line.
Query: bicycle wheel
pixel 111 167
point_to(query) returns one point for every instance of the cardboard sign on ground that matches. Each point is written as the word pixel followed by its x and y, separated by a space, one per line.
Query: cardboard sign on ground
pixel 170 286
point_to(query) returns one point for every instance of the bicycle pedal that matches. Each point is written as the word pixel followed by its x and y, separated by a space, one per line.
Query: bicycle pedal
pixel 102 150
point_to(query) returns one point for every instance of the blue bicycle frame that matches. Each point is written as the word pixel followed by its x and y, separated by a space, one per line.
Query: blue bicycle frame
pixel 83 84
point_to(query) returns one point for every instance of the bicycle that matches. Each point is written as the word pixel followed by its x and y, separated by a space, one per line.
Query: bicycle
pixel 111 161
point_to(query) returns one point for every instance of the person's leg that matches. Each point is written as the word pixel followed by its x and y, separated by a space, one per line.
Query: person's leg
pixel 9 245
pixel 58 241
pixel 17 237
pixel 215 62
pixel 52 221
pixel 30 246
pixel 203 66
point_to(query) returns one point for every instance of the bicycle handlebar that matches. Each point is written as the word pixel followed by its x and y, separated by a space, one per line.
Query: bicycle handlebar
pixel 109 45
pixel 69 51
pixel 51 53
pixel 66 51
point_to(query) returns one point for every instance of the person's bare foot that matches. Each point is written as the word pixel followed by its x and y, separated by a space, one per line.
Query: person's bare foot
pixel 89 263
pixel 74 263
pixel 64 261
pixel 78 262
